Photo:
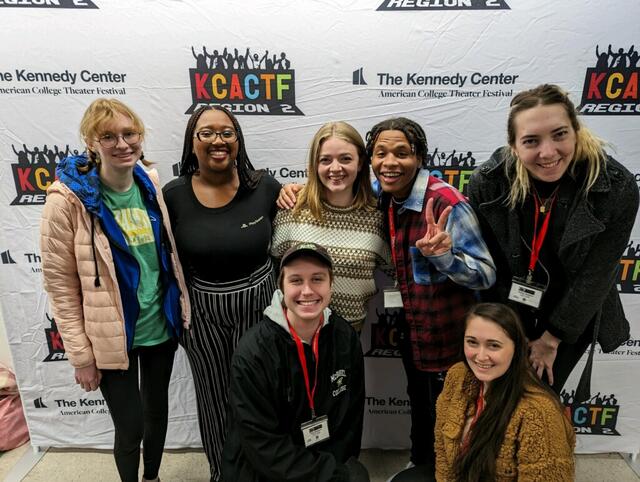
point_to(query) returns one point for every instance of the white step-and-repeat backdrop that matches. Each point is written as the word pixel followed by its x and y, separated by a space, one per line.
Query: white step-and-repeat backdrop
pixel 286 67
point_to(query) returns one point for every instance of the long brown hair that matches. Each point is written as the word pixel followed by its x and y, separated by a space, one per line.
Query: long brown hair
pixel 478 462
pixel 312 194
pixel 589 149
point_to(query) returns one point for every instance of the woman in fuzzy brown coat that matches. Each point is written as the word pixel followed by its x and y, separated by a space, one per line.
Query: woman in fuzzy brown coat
pixel 495 419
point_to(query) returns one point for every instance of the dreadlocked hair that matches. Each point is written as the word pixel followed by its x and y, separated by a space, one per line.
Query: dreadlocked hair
pixel 248 175
pixel 412 131
pixel 478 462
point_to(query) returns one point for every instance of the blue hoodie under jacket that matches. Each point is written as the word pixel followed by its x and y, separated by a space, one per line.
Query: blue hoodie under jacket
pixel 86 186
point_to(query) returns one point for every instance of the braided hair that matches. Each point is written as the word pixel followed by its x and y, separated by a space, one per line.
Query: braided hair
pixel 412 131
pixel 248 175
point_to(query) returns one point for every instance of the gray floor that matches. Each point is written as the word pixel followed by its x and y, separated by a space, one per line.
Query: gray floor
pixel 189 465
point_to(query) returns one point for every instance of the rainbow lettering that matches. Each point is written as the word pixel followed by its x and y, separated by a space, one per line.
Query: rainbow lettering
pixel 252 91
pixel 594 419
pixel 629 274
pixel 611 87
pixel 32 182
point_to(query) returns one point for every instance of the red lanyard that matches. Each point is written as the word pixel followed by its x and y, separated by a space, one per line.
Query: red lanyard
pixel 538 238
pixel 392 233
pixel 479 405
pixel 303 361
pixel 479 409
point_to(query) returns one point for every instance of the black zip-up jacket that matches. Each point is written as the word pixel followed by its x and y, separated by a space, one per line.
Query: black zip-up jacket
pixel 268 403
pixel 595 235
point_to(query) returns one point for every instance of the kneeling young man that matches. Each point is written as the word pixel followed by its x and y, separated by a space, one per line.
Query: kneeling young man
pixel 296 397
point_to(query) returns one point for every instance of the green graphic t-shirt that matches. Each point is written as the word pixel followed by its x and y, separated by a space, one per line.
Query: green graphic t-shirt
pixel 131 215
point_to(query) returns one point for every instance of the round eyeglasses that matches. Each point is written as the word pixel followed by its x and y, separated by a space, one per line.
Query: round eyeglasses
pixel 111 140
pixel 209 136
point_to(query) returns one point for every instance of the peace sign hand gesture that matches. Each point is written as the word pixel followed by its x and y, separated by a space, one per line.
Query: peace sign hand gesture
pixel 436 240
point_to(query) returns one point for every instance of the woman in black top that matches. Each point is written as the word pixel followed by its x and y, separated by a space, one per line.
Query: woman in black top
pixel 556 190
pixel 221 210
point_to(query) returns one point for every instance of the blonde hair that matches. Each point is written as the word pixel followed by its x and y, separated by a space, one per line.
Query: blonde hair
pixel 311 195
pixel 589 148
pixel 100 112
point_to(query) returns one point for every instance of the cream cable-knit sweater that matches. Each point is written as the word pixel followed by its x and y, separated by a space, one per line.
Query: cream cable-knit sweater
pixel 355 240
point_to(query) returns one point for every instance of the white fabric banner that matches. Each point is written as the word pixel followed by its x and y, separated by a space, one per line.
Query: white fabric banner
pixel 287 67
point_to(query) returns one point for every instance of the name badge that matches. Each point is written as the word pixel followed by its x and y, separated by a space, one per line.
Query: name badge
pixel 392 298
pixel 315 430
pixel 529 294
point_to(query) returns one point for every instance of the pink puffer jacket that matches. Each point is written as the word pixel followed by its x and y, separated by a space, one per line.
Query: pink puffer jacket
pixel 90 318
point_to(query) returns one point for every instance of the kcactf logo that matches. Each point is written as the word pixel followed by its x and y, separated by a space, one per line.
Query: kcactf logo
pixel 611 87
pixel 35 171
pixel 597 416
pixel 385 335
pixel 54 342
pixel 453 167
pixel 49 3
pixel 629 269
pixel 243 82
pixel 444 5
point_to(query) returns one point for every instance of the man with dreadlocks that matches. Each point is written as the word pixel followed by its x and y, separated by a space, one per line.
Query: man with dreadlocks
pixel 440 259
pixel 221 211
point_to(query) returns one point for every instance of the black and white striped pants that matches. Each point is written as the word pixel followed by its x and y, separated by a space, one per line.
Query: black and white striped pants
pixel 221 314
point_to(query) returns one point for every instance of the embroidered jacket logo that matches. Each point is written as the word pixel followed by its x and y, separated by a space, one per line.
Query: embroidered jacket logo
pixel 338 382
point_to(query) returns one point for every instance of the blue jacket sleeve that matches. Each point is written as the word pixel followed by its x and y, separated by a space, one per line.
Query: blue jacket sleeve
pixel 468 263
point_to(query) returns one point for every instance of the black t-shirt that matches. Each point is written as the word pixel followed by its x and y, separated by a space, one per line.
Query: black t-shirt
pixel 225 243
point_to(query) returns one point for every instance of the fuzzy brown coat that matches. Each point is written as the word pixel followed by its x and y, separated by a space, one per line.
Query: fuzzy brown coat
pixel 538 443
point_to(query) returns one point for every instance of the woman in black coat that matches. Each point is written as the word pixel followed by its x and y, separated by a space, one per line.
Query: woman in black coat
pixel 554 188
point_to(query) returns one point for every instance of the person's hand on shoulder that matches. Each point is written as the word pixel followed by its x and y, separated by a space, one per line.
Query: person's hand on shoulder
pixel 288 195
